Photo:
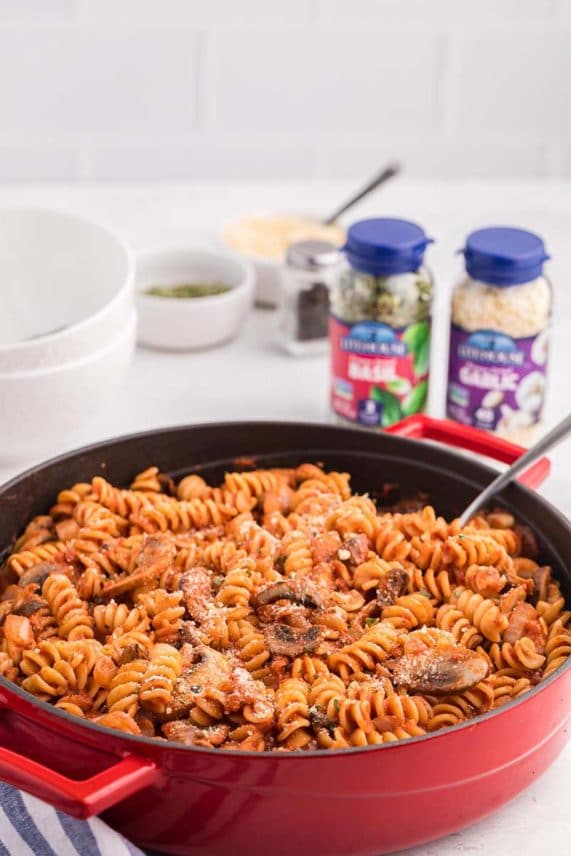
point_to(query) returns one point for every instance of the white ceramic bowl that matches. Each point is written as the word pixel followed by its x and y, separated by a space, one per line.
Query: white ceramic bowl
pixel 50 410
pixel 66 288
pixel 178 324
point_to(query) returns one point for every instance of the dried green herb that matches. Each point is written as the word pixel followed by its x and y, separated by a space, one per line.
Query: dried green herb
pixel 188 290
pixel 396 300
pixel 371 621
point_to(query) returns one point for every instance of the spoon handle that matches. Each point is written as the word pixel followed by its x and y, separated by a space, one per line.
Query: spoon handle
pixel 552 438
pixel 388 172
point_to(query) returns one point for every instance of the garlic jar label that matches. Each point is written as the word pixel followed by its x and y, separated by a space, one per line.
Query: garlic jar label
pixel 379 374
pixel 496 382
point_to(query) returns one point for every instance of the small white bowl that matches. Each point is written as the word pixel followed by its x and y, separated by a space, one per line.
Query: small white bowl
pixel 66 288
pixel 52 409
pixel 178 323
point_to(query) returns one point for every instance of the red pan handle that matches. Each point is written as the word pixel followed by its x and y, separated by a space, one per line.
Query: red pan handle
pixel 80 798
pixel 420 426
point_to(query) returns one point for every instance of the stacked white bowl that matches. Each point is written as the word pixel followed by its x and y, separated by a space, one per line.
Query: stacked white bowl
pixel 67 329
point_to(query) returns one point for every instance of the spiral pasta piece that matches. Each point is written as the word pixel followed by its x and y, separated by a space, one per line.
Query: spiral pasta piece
pixel 292 709
pixel 455 622
pixel 125 687
pixel 148 480
pixel 522 656
pixel 166 611
pixel 558 647
pixel 370 574
pixel 507 685
pixel 375 646
pixel 113 617
pixel 70 612
pixel 427 555
pixel 253 651
pixel 436 585
pixel 298 560
pixel 163 669
pixel 391 545
pixel 409 611
pixel 355 515
pixel 482 612
pixel 468 549
pixel 119 720
pixel 326 692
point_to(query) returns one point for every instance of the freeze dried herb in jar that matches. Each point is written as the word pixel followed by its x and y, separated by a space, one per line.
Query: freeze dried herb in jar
pixel 380 324
pixel 396 300
pixel 499 335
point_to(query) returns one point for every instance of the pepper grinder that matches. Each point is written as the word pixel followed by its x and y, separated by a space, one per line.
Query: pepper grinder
pixel 311 269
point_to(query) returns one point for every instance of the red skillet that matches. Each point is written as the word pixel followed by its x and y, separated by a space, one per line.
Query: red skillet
pixel 359 801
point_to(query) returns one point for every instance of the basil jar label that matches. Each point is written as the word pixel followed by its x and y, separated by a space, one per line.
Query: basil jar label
pixel 495 381
pixel 378 374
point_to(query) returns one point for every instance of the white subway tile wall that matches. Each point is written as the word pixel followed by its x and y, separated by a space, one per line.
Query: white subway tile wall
pixel 261 89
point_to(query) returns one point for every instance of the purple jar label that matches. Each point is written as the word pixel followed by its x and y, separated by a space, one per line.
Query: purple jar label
pixel 495 381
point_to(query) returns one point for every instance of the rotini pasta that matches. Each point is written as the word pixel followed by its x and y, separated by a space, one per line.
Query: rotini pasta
pixel 276 611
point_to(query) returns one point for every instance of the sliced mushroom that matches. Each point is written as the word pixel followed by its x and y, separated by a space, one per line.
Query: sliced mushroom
pixel 40 572
pixel 354 549
pixel 296 591
pixel 391 586
pixel 191 735
pixel 541 579
pixel 157 554
pixel 146 723
pixel 529 546
pixel 195 587
pixel 203 667
pixel 28 607
pixel 291 641
pixel 191 638
pixel 540 575
pixel 38 531
pixel 210 669
pixel 431 662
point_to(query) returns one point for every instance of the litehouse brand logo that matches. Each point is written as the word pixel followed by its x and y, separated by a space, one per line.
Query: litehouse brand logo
pixel 488 347
pixel 370 338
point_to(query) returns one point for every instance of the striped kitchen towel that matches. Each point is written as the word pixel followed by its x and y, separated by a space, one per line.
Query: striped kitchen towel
pixel 29 826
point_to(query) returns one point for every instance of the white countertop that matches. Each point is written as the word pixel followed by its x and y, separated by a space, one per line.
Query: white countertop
pixel 251 378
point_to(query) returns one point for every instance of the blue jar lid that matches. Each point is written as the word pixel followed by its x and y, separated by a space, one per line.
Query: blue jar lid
pixel 384 246
pixel 502 255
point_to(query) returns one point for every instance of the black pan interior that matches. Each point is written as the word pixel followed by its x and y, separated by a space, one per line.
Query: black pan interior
pixel 448 478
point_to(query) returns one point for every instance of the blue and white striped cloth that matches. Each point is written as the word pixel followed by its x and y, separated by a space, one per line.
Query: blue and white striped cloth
pixel 29 826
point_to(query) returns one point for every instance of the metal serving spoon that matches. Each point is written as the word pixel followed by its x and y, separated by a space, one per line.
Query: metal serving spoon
pixel 552 438
pixel 386 173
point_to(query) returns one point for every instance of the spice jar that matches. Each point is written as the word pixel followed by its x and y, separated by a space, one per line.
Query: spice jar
pixel 380 324
pixel 499 335
pixel 311 269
